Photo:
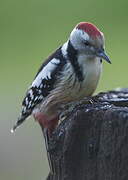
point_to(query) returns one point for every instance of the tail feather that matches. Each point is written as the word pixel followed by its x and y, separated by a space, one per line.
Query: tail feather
pixel 20 120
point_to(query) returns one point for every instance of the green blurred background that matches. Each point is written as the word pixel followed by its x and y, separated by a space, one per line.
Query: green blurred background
pixel 29 31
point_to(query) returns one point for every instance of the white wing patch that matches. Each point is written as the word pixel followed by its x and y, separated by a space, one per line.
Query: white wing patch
pixel 46 72
pixel 64 49
pixel 31 93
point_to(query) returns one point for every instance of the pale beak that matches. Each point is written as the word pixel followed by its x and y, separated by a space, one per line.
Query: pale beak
pixel 102 54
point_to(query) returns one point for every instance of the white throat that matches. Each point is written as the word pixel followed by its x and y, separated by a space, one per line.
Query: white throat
pixel 91 69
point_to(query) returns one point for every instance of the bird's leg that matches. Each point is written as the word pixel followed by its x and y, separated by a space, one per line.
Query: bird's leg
pixel 88 100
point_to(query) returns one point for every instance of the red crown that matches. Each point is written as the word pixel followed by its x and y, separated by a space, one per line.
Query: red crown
pixel 89 28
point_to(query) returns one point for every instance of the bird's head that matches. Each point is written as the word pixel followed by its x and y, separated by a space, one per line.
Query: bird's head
pixel 87 39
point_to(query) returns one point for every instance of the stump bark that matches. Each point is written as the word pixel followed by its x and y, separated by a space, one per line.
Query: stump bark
pixel 92 142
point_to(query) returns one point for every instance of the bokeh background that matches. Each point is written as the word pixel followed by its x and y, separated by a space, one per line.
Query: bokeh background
pixel 29 31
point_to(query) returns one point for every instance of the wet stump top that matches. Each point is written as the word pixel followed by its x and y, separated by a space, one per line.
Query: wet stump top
pixel 92 142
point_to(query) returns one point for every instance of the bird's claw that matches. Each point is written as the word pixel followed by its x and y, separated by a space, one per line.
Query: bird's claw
pixel 91 101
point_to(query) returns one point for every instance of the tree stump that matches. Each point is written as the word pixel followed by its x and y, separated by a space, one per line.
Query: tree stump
pixel 92 142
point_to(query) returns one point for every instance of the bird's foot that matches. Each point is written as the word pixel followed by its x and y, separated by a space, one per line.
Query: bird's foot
pixel 91 101
pixel 66 110
pixel 62 117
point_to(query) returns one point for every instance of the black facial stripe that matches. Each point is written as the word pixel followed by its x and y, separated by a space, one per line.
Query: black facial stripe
pixel 72 55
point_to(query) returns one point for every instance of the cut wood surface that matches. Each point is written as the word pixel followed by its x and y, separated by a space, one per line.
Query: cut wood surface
pixel 92 142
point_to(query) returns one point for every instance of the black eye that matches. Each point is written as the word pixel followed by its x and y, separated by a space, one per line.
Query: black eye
pixel 86 43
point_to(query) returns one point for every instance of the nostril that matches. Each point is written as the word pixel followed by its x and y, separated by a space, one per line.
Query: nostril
pixel 99 51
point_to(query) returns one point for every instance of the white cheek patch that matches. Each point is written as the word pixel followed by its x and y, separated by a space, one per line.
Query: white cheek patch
pixel 78 33
pixel 84 35
pixel 46 72
pixel 77 37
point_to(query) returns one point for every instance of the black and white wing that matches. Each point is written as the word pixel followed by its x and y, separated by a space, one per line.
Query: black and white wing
pixel 42 84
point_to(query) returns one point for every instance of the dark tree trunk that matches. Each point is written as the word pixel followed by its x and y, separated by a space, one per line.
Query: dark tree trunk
pixel 92 142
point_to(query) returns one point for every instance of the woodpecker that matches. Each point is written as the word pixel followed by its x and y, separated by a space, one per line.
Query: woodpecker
pixel 71 73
